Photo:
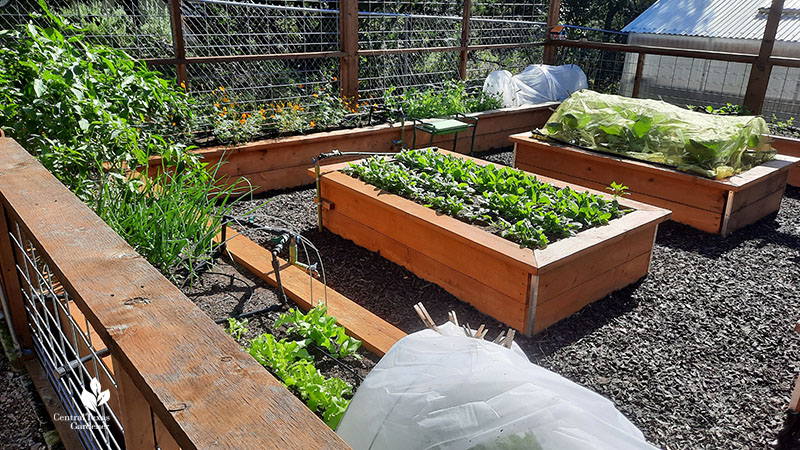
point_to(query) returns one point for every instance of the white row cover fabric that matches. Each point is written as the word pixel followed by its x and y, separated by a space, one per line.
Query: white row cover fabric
pixel 538 83
pixel 433 391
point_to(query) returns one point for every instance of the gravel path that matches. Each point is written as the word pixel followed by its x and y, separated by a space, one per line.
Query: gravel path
pixel 700 354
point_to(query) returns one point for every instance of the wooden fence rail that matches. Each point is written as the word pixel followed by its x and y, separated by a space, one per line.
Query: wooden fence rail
pixel 88 306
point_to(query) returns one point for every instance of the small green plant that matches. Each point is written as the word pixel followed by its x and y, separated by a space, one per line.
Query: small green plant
pixel 321 329
pixel 236 328
pixel 233 124
pixel 516 204
pixel 782 126
pixel 450 99
pixel 291 362
pixel 618 189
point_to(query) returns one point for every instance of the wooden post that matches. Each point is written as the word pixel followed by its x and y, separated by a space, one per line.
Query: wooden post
pixel 762 68
pixel 134 411
pixel 178 41
pixel 11 284
pixel 462 66
pixel 549 56
pixel 637 79
pixel 348 41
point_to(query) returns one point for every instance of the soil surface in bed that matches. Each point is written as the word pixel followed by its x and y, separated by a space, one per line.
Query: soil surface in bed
pixel 700 354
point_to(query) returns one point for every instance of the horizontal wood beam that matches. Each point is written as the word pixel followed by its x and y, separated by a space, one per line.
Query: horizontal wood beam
pixel 239 58
pixel 747 58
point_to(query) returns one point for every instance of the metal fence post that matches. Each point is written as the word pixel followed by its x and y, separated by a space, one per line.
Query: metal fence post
pixel 762 68
pixel 348 42
pixel 550 49
pixel 462 66
pixel 178 42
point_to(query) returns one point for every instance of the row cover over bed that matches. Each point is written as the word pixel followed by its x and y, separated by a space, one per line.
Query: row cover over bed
pixel 709 145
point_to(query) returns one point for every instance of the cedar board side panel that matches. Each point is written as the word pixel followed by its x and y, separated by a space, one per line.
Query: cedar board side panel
pixel 581 295
pixel 695 201
pixel 707 221
pixel 791 147
pixel 485 298
pixel 437 243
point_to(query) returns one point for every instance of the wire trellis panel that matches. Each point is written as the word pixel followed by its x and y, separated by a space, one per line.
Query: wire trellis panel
pixel 226 28
pixel 510 22
pixel 418 69
pixel 68 349
pixel 483 62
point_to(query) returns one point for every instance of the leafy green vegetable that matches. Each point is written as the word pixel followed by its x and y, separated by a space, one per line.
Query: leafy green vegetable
pixel 321 329
pixel 236 328
pixel 291 362
pixel 712 145
pixel 519 206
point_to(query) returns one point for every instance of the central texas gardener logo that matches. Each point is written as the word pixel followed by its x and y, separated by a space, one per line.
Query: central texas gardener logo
pixel 95 399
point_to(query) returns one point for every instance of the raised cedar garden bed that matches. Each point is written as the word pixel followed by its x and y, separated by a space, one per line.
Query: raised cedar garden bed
pixel 281 162
pixel 714 206
pixel 790 147
pixel 525 288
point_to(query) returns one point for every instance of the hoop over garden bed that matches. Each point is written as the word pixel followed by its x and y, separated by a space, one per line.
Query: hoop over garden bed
pixel 525 288
pixel 714 206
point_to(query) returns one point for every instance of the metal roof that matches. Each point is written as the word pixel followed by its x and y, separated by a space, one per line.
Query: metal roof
pixel 738 19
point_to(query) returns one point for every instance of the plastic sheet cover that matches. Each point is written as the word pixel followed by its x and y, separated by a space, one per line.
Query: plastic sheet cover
pixel 538 83
pixel 709 145
pixel 433 391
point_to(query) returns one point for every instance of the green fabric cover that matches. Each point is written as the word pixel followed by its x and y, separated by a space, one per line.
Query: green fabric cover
pixel 651 130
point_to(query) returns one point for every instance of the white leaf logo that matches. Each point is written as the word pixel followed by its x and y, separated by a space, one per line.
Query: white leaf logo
pixel 96 398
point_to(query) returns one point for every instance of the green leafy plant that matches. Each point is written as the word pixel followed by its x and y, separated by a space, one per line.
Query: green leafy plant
pixel 236 328
pixel 91 115
pixel 291 362
pixel 618 189
pixel 453 97
pixel 515 204
pixel 321 329
pixel 234 124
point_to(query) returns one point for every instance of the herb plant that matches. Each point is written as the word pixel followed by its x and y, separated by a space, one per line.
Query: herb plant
pixel 517 205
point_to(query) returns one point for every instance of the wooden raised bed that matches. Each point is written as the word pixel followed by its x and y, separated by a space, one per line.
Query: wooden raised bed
pixel 527 289
pixel 714 206
pixel 790 147
pixel 281 162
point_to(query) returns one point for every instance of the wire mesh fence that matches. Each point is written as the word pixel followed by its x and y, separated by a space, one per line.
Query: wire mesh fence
pixel 70 352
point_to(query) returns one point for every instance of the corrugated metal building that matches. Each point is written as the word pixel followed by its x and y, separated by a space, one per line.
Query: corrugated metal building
pixel 717 25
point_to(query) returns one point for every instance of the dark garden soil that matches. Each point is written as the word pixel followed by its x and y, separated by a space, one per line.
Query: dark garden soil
pixel 230 290
pixel 23 417
pixel 700 354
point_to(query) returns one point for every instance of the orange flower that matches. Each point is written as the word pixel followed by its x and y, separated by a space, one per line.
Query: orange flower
pixel 222 89
pixel 173 124
pixel 315 94
pixel 335 79
pixel 224 99
pixel 216 105
pixel 300 85
pixel 242 121
pixel 312 124
pixel 272 116
pixel 183 84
